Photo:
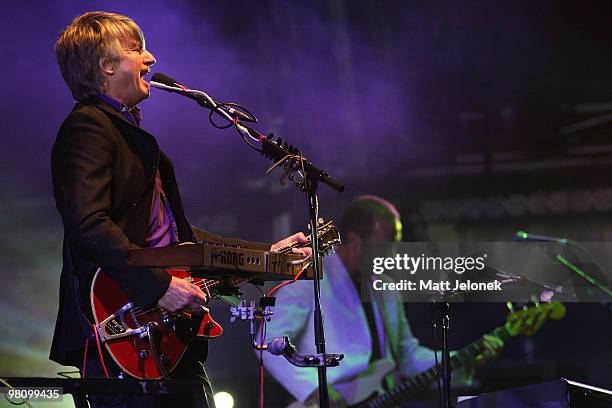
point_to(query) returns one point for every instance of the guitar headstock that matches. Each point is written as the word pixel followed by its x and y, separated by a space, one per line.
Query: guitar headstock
pixel 530 319
pixel 328 237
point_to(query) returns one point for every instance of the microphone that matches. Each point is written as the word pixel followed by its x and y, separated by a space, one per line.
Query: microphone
pixel 166 83
pixel 524 236
pixel 163 81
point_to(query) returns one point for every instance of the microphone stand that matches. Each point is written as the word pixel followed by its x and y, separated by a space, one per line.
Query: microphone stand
pixel 443 309
pixel 313 209
pixel 292 161
pixel 524 236
pixel 312 177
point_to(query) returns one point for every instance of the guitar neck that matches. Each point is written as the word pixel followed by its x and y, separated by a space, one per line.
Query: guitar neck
pixel 527 321
pixel 468 354
pixel 421 382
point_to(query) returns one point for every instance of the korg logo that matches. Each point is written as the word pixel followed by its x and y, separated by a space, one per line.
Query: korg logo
pixel 229 258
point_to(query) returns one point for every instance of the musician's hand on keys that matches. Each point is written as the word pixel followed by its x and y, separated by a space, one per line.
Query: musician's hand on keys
pixel 298 237
pixel 183 295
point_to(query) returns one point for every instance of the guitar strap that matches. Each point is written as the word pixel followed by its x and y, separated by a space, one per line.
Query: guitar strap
pixel 375 297
pixel 368 308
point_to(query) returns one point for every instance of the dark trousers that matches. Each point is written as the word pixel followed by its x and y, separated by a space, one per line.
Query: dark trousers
pixel 191 367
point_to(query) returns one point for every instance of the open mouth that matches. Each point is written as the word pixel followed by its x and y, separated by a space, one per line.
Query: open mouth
pixel 144 72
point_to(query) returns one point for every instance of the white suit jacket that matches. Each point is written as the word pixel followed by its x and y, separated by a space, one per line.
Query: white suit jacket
pixel 346 331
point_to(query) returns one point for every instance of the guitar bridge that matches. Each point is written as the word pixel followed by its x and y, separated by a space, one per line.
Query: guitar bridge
pixel 115 325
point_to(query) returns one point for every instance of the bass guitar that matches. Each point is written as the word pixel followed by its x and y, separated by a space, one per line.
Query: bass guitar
pixel 365 390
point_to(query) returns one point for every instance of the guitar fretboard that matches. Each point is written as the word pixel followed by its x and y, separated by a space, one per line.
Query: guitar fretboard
pixel 422 381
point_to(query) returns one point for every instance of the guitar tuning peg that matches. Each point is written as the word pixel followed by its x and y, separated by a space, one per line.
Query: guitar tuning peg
pixel 320 221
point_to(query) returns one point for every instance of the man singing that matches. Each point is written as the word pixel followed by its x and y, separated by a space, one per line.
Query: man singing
pixel 115 191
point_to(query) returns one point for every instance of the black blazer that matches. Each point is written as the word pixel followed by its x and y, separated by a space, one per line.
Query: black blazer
pixel 103 170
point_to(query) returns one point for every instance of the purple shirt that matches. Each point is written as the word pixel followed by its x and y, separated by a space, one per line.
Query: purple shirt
pixel 131 114
pixel 162 229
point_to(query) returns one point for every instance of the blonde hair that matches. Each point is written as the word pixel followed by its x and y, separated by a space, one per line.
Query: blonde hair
pixel 90 38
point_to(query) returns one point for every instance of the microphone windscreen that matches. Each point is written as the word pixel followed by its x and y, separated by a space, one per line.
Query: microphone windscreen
pixel 164 79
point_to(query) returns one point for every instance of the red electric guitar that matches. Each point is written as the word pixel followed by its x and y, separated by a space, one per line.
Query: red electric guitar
pixel 148 344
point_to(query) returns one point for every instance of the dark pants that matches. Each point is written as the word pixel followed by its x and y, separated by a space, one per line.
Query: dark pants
pixel 191 367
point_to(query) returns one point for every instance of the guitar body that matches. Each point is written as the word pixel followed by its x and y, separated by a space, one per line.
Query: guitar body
pixel 124 329
pixel 367 383
pixel 360 388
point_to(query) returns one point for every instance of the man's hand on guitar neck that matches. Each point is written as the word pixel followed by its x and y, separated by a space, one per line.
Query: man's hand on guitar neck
pixel 183 295
pixel 492 345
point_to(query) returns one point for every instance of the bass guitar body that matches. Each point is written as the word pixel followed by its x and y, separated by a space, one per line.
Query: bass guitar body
pixel 146 344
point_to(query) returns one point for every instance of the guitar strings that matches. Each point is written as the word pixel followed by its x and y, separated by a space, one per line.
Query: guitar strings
pixel 203 284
